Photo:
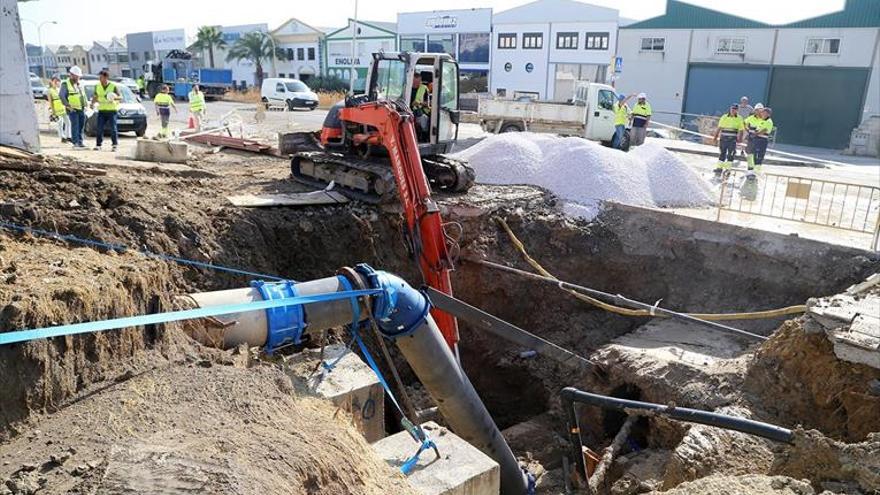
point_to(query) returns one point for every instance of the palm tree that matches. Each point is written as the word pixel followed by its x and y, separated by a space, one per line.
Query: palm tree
pixel 255 47
pixel 208 38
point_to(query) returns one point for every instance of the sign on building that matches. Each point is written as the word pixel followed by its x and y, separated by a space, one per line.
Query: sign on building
pixel 173 39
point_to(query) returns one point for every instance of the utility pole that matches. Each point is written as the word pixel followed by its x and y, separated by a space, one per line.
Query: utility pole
pixel 354 35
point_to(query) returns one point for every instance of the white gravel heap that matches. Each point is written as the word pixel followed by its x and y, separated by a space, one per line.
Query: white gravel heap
pixel 585 173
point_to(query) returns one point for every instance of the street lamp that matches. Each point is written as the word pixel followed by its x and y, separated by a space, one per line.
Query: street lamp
pixel 40 41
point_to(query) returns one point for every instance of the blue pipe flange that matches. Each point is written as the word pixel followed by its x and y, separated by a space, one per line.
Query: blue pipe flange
pixel 399 309
pixel 284 324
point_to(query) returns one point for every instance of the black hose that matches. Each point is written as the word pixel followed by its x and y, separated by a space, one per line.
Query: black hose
pixel 765 430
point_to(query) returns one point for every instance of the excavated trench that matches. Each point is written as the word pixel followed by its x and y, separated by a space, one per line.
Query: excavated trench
pixel 647 255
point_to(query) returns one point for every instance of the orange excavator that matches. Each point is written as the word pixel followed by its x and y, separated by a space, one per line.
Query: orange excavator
pixel 365 134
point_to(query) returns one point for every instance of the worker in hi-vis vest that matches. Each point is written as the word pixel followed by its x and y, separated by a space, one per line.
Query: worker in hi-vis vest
pixel 641 117
pixel 197 105
pixel 420 105
pixel 164 103
pixel 728 134
pixel 621 117
pixel 57 111
pixel 763 127
pixel 107 97
pixel 73 97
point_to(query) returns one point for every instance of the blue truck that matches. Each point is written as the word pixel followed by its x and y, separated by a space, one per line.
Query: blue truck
pixel 178 72
pixel 214 83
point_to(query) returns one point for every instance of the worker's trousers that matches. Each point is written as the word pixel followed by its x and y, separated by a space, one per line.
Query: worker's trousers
pixel 637 136
pixel 63 126
pixel 727 145
pixel 106 119
pixel 77 123
pixel 755 150
pixel 197 116
pixel 164 117
pixel 617 139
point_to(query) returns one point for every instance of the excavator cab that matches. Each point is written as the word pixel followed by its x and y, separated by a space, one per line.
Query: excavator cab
pixel 391 77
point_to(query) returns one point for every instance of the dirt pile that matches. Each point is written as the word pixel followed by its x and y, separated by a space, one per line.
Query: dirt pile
pixel 199 426
pixel 748 484
pixel 820 390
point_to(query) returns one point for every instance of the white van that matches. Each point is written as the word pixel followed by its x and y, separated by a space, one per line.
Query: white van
pixel 277 91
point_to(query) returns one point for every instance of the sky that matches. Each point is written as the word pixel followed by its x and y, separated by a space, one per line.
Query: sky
pixel 83 21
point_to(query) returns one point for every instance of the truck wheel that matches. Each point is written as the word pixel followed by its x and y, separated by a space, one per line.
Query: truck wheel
pixel 141 132
pixel 511 128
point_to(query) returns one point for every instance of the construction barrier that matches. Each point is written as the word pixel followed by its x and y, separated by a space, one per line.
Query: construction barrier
pixel 839 205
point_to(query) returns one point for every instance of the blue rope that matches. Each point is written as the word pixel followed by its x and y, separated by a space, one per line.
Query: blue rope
pixel 121 248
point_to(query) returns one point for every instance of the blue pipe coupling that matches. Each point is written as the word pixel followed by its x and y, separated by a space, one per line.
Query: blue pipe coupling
pixel 400 309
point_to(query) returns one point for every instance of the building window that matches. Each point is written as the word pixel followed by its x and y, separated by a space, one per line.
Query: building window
pixel 289 53
pixel 123 58
pixel 566 41
pixel 134 56
pixel 281 75
pixel 300 54
pixel 731 45
pixel 311 52
pixel 441 43
pixel 533 41
pixel 412 43
pixel 653 44
pixel 506 41
pixel 596 41
pixel 822 46
pixel 146 56
pixel 473 48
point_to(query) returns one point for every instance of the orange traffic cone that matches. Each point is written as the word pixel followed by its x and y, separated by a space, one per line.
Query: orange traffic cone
pixel 192 122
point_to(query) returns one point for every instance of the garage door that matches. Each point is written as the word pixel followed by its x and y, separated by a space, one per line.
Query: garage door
pixel 712 88
pixel 817 106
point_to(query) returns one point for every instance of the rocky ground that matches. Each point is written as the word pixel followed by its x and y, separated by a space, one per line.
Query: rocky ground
pixel 148 407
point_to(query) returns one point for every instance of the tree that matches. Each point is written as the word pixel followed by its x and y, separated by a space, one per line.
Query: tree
pixel 208 38
pixel 255 47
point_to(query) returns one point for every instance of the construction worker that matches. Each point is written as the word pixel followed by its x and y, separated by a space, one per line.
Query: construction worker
pixel 197 105
pixel 621 117
pixel 641 117
pixel 164 103
pixel 744 110
pixel 57 111
pixel 107 97
pixel 758 144
pixel 730 130
pixel 141 84
pixel 751 123
pixel 420 106
pixel 73 97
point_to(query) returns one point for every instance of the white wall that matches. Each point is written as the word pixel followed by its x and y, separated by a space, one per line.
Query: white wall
pixel 18 127
pixel 294 67
pixel 872 102
pixel 856 47
pixel 445 21
pixel 582 55
pixel 759 46
pixel 659 74
pixel 518 79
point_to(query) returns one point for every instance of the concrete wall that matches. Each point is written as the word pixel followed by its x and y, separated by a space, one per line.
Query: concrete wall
pixel 855 47
pixel 872 102
pixel 758 46
pixel 18 127
pixel 659 74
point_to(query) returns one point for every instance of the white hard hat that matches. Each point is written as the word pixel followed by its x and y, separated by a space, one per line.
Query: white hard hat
pixel 759 106
pixel 641 95
pixel 76 71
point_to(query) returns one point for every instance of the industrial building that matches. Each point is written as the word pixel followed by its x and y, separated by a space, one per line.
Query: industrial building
pixel 465 34
pixel 542 48
pixel 152 45
pixel 302 47
pixel 362 38
pixel 709 59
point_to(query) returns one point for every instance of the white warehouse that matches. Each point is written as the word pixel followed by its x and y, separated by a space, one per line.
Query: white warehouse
pixel 542 48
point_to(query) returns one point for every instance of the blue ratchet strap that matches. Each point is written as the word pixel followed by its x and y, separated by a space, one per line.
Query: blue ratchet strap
pixel 415 431
pixel 285 324
pixel 188 314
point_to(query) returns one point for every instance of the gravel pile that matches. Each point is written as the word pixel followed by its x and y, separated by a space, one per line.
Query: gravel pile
pixel 584 173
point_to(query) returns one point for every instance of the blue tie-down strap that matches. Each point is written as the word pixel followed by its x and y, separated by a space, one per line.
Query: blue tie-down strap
pixel 285 324
pixel 410 463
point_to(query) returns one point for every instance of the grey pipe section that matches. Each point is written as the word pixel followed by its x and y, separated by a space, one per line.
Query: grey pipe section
pixel 433 362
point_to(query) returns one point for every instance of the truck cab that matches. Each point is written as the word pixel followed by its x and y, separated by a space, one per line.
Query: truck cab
pixel 598 100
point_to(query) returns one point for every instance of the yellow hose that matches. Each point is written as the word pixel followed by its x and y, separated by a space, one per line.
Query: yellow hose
pixel 753 315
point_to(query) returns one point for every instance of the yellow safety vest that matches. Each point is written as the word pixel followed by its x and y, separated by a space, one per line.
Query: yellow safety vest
pixel 196 101
pixel 74 95
pixel 105 104
pixel 621 113
pixel 57 106
pixel 421 93
pixel 730 126
pixel 765 126
pixel 163 100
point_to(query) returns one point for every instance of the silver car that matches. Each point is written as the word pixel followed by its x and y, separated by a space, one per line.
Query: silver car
pixel 39 90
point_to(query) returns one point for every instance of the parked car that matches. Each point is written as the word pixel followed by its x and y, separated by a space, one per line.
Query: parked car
pixel 132 116
pixel 128 83
pixel 291 92
pixel 39 90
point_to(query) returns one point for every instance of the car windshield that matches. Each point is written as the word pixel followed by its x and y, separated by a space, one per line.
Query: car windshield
pixel 127 95
pixel 296 86
pixel 36 83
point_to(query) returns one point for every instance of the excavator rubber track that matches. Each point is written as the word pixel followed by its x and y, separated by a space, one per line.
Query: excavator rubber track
pixel 371 180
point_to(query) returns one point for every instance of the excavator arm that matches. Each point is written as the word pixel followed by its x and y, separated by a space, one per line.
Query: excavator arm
pixel 392 127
